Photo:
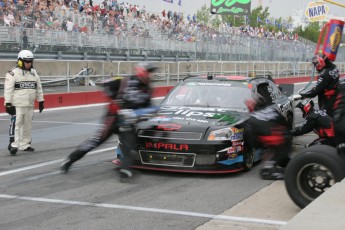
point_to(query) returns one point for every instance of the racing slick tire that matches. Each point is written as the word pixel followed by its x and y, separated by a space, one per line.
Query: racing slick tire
pixel 248 159
pixel 311 172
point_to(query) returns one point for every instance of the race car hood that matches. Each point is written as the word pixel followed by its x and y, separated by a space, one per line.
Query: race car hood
pixel 182 118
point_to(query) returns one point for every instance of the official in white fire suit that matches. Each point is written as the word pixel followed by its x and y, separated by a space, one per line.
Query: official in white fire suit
pixel 22 87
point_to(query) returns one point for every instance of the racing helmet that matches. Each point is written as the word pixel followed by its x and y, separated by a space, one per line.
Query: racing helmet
pixel 320 61
pixel 143 70
pixel 25 56
pixel 306 106
pixel 256 102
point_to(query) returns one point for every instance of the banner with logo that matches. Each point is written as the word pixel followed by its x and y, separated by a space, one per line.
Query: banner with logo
pixel 316 11
pixel 230 7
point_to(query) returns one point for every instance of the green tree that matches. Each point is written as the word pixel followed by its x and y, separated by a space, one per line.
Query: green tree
pixel 203 15
pixel 310 32
pixel 259 13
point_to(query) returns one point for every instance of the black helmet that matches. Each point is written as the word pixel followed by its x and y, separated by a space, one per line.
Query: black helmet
pixel 256 102
pixel 306 106
pixel 143 70
pixel 320 61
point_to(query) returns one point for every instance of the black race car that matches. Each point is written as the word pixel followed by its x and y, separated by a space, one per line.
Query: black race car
pixel 199 126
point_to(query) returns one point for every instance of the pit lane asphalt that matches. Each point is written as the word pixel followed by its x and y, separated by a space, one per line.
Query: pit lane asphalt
pixel 34 195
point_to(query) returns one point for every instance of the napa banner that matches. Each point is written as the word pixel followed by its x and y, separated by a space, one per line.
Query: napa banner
pixel 316 11
pixel 233 7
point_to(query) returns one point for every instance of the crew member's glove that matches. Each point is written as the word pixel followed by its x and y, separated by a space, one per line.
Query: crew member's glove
pixel 41 106
pixel 11 110
pixel 303 96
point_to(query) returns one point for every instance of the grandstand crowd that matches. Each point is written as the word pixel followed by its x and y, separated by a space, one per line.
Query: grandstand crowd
pixel 114 18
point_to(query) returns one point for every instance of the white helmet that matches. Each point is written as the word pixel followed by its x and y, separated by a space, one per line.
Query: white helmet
pixel 25 55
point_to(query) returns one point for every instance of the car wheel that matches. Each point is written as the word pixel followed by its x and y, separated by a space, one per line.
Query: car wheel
pixel 248 159
pixel 311 172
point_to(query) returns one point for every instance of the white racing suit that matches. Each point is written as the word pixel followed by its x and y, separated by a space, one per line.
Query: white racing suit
pixel 22 87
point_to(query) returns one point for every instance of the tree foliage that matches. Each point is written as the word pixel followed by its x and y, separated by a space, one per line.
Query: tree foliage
pixel 203 15
pixel 310 32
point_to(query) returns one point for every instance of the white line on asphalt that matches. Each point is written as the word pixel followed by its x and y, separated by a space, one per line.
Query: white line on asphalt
pixel 60 122
pixel 76 107
pixel 49 163
pixel 156 210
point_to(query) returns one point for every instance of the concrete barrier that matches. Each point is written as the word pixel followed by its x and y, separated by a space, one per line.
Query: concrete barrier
pixel 325 212
pixel 56 100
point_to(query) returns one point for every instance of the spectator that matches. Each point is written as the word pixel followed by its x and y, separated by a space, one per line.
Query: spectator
pixel 25 40
pixel 69 25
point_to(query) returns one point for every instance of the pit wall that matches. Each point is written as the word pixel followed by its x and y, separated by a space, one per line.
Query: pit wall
pixel 56 100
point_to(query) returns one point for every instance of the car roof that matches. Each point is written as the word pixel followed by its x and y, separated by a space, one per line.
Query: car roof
pixel 233 78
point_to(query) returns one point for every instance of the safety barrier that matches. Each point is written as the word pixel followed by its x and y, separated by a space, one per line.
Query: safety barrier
pixel 68 72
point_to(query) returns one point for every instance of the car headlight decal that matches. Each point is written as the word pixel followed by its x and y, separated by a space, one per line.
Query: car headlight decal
pixel 226 134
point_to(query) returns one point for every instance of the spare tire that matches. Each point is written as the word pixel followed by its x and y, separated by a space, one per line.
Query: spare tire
pixel 311 172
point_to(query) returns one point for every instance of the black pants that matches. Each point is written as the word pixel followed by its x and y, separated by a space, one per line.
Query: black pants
pixel 128 143
pixel 281 153
pixel 12 128
pixel 127 138
pixel 339 128
pixel 327 104
pixel 278 153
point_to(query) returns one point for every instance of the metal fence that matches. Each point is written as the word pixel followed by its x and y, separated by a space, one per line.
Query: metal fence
pixel 230 47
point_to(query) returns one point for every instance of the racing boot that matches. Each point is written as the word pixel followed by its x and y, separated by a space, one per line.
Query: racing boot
pixel 29 149
pixel 66 164
pixel 270 171
pixel 125 175
pixel 73 157
pixel 13 151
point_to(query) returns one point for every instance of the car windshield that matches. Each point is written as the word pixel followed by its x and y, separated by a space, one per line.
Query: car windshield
pixel 224 94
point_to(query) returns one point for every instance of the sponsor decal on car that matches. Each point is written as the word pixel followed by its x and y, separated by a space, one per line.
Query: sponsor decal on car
pixel 161 118
pixel 169 127
pixel 209 84
pixel 166 146
pixel 237 134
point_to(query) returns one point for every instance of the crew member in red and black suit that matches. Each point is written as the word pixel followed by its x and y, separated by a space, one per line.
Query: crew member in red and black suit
pixel 125 95
pixel 339 117
pixel 327 82
pixel 317 121
pixel 267 129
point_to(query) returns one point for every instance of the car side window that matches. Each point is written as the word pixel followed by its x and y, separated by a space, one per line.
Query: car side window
pixel 265 90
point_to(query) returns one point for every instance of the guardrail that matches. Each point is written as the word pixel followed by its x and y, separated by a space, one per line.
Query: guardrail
pixel 68 74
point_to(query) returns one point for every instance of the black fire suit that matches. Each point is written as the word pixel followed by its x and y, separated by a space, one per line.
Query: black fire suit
pixel 125 93
pixel 325 88
pixel 319 122
pixel 339 113
pixel 268 129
